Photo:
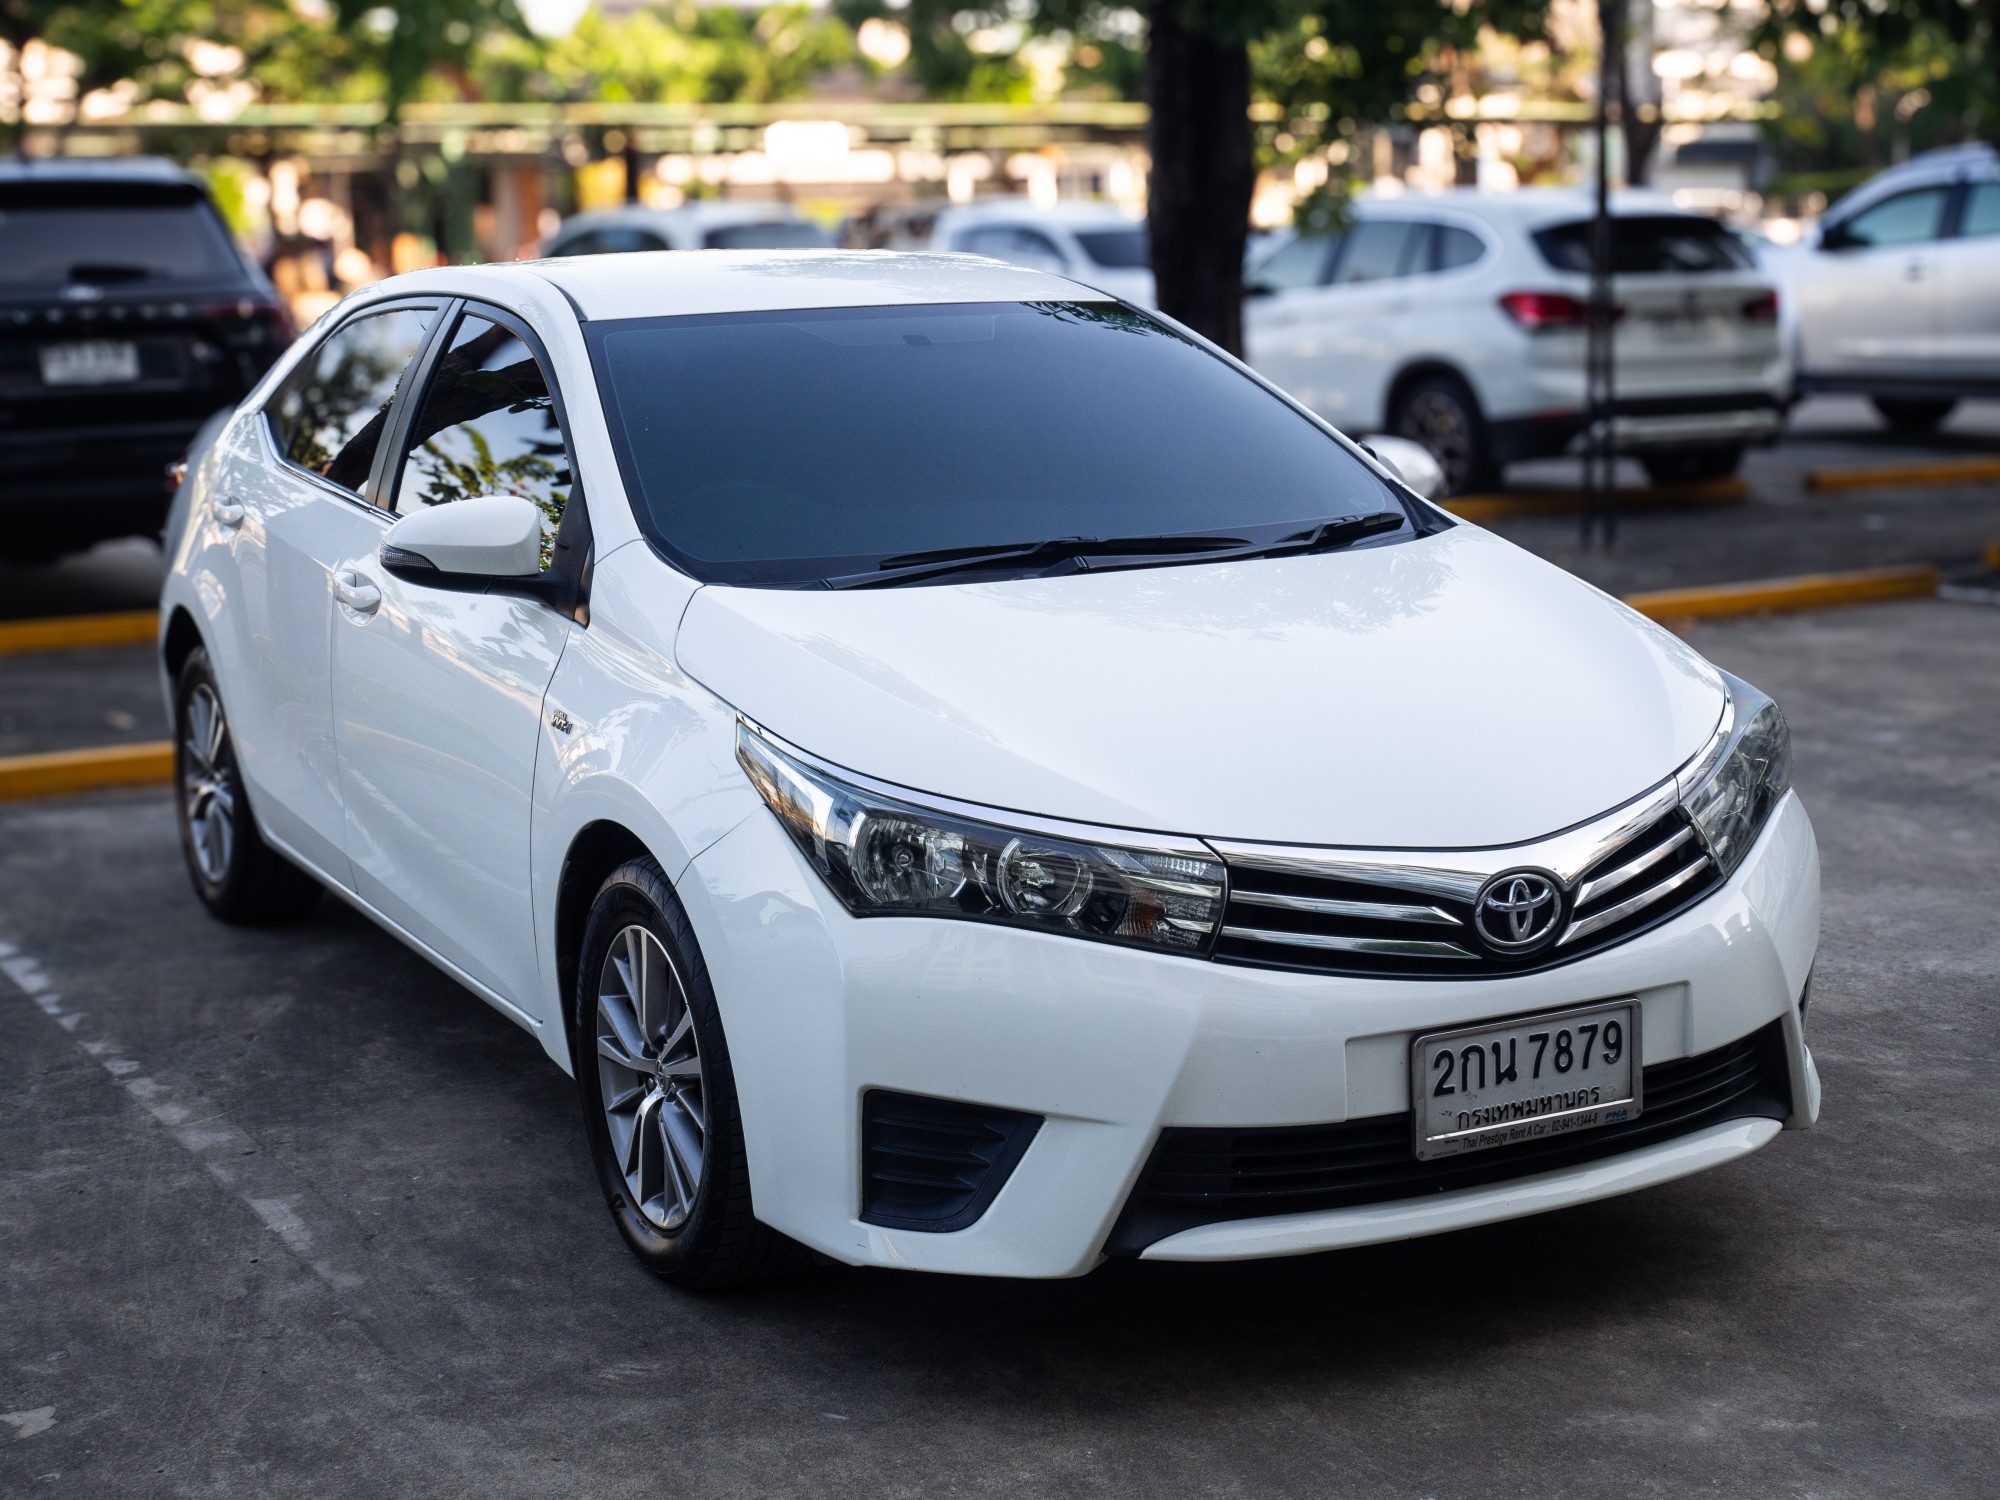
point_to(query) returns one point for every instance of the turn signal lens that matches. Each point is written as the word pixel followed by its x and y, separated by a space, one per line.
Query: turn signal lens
pixel 884 857
pixel 1762 309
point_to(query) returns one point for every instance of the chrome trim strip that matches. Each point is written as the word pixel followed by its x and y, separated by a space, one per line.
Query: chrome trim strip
pixel 1378 911
pixel 1631 904
pixel 1395 947
pixel 1457 874
pixel 1615 878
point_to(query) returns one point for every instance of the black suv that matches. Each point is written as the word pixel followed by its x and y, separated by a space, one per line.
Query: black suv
pixel 127 318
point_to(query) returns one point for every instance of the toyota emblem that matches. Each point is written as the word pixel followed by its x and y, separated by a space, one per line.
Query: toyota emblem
pixel 1518 911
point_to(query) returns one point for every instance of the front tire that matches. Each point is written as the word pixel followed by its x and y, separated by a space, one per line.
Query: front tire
pixel 1913 416
pixel 239 878
pixel 659 1097
pixel 1441 413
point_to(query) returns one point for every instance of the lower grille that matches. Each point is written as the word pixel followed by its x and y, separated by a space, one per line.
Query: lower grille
pixel 1210 1176
pixel 935 1164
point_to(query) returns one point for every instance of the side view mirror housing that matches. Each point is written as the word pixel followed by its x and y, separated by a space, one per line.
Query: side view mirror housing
pixel 489 545
pixel 1408 461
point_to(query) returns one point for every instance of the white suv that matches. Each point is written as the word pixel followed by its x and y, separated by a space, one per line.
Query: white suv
pixel 1094 243
pixel 1459 320
pixel 1899 298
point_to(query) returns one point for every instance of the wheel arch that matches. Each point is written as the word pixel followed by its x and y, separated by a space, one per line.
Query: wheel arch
pixel 1429 367
pixel 594 852
pixel 179 642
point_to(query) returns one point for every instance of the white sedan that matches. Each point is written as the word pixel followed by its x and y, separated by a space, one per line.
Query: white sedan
pixel 970 778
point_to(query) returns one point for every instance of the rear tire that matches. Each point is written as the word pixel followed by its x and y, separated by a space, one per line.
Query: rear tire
pixel 238 877
pixel 1691 465
pixel 1441 413
pixel 1913 416
pixel 659 1097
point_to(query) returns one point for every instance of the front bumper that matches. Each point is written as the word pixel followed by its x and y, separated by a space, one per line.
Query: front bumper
pixel 1112 1045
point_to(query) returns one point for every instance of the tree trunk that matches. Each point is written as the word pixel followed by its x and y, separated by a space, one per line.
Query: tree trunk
pixel 1203 173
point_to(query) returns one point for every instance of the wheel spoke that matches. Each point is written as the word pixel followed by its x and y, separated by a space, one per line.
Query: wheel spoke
pixel 650 1077
pixel 618 1035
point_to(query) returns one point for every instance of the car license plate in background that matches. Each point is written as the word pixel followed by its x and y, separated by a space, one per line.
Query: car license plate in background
pixel 90 362
pixel 1525 1080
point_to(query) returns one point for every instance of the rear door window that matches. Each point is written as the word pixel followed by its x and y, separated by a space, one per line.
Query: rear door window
pixel 1377 250
pixel 1301 261
pixel 1014 244
pixel 612 240
pixel 1454 247
pixel 1117 249
pixel 1647 244
pixel 774 236
pixel 327 418
pixel 1982 210
pixel 488 426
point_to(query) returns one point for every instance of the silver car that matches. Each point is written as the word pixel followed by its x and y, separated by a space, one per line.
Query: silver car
pixel 1899 297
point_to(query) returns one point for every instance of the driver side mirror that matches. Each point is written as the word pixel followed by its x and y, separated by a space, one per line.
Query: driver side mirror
pixel 492 543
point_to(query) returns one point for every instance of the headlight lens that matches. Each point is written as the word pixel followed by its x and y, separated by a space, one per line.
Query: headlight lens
pixel 1731 791
pixel 886 857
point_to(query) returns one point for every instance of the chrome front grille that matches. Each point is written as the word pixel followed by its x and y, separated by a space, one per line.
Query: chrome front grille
pixel 1400 913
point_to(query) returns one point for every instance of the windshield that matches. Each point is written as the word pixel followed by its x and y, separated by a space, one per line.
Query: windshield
pixel 786 448
pixel 1661 242
pixel 56 242
pixel 1116 249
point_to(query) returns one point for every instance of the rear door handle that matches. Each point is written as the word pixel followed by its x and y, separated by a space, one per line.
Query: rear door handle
pixel 355 592
pixel 228 512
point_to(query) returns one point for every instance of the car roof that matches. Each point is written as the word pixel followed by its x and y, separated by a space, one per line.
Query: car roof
pixel 1523 208
pixel 149 170
pixel 676 283
pixel 1078 211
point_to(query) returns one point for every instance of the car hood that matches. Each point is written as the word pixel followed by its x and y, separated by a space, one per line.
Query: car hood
pixel 1449 692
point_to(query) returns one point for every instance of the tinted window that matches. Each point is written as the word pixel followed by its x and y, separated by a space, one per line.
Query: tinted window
pixel 768 237
pixel 784 448
pixel 488 427
pixel 1642 244
pixel 1906 219
pixel 1453 248
pixel 1377 250
pixel 113 243
pixel 1117 249
pixel 328 415
pixel 1021 247
pixel 1301 261
pixel 611 240
pixel 1982 209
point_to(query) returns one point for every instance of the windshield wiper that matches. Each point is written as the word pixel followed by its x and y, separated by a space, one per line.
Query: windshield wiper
pixel 906 567
pixel 1331 536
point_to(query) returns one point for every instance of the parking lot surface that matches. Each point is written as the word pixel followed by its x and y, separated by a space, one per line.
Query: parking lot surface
pixel 286 1212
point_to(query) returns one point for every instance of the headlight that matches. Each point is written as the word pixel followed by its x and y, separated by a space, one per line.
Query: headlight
pixel 1730 791
pixel 884 856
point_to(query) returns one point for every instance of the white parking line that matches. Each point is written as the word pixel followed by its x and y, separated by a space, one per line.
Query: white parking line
pixel 227 1153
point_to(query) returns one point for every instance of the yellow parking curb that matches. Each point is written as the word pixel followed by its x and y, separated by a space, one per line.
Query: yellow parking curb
pixel 1810 591
pixel 1939 471
pixel 1991 556
pixel 51 775
pixel 123 629
pixel 1567 502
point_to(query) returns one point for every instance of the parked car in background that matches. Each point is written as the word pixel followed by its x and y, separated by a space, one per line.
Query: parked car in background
pixel 725 224
pixel 1458 320
pixel 1094 243
pixel 1898 296
pixel 127 317
pixel 957 853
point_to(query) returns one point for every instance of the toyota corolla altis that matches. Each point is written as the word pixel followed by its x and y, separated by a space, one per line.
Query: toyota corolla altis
pixel 968 777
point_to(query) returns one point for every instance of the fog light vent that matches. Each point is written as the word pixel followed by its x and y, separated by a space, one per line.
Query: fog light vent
pixel 935 1164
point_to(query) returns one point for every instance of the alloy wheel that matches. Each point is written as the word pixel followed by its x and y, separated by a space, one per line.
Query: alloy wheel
pixel 208 785
pixel 1434 418
pixel 650 1077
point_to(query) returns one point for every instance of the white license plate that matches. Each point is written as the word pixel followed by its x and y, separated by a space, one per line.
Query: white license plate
pixel 1525 1080
pixel 1681 328
pixel 90 362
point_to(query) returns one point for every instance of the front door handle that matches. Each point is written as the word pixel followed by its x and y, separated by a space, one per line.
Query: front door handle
pixel 355 592
pixel 1915 270
pixel 228 512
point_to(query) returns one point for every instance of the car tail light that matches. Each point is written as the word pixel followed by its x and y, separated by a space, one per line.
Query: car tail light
pixel 1535 311
pixel 1762 309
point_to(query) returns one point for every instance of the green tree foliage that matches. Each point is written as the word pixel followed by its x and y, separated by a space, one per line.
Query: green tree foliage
pixel 1860 82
